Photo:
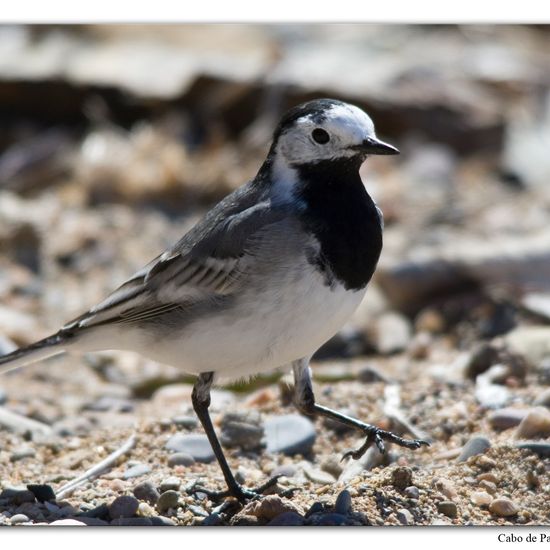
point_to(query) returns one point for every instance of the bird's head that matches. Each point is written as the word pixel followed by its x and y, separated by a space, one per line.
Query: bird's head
pixel 326 130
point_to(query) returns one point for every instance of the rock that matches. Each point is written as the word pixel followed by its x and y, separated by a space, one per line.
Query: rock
pixel 412 492
pixel 286 470
pixel 17 496
pixel 19 518
pixel 536 424
pixel 269 507
pixel 289 434
pixel 481 358
pixel 180 459
pixel 318 476
pixel 43 493
pixel 429 321
pixel 162 521
pixel 401 477
pixel 332 465
pixel 186 422
pixel 110 403
pixel 198 511
pixel 21 453
pixel 69 522
pixel 481 498
pixel 419 347
pixel 489 486
pixel 331 519
pixel 146 491
pixel 132 522
pixel 393 333
pixel 475 446
pixel 343 502
pixel 242 429
pixel 503 419
pixel 123 507
pixel 447 508
pixel 195 445
pixel 170 484
pixel 287 519
pixel 93 522
pixel 167 500
pixel 503 507
pixel 370 374
pixel 487 393
pixel 533 342
pixel 543 399
pixel 212 520
pixel 404 517
pixel 537 447
pixel 445 487
pixel 137 470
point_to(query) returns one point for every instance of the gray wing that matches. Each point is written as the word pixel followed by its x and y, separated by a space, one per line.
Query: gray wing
pixel 208 261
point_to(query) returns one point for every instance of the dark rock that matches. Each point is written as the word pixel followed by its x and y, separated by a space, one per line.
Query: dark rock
pixel 109 403
pixel 146 491
pixel 412 492
pixel 92 522
pixel 132 522
pixel 198 511
pixel 167 500
pixel 196 445
pixel 343 503
pixel 123 507
pixel 17 496
pixel 162 521
pixel 287 519
pixel 101 511
pixel 448 508
pixel 242 429
pixel 475 446
pixel 503 419
pixel 43 493
pixel 290 434
pixel 212 519
pixel 401 477
pixel 329 519
pixel 540 448
pixel 482 357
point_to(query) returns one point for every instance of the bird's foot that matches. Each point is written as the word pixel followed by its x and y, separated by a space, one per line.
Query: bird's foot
pixel 242 494
pixel 378 436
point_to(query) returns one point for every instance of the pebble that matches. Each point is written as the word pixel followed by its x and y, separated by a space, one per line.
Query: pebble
pixel 195 445
pixel 23 452
pixel 43 493
pixel 269 507
pixel 401 477
pixel 393 333
pixel 447 508
pixel 167 500
pixel 538 447
pixel 162 521
pixel 146 491
pixel 19 518
pixel 287 519
pixel 503 507
pixel 491 395
pixel 101 511
pixel 503 419
pixel 446 488
pixel 93 522
pixel 123 507
pixel 186 422
pixel 289 434
pixel 170 484
pixel 481 498
pixel 110 403
pixel 489 486
pixel 332 465
pixel 488 476
pixel 412 492
pixel 180 459
pixel 536 424
pixel 482 357
pixel 330 519
pixel 543 399
pixel 475 446
pixel 68 522
pixel 17 496
pixel 286 470
pixel 137 470
pixel 343 502
pixel 318 476
pixel 404 517
pixel 212 520
pixel 242 429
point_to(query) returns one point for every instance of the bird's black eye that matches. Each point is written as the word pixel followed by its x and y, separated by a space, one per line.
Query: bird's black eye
pixel 320 136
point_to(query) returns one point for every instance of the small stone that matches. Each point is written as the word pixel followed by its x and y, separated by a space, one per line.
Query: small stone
pixel 19 518
pixel 537 447
pixel 43 493
pixel 146 491
pixel 447 508
pixel 170 484
pixel 412 492
pixel 110 403
pixel 446 488
pixel 212 520
pixel 503 507
pixel 370 374
pixel 318 476
pixel 93 522
pixel 535 425
pixel 132 522
pixel 481 498
pixel 488 476
pixel 167 500
pixel 20 454
pixel 198 511
pixel 331 519
pixel 180 459
pixel 162 521
pixel 405 517
pixel 69 522
pixel 269 507
pixel 286 470
pixel 484 462
pixel 543 399
pixel 393 333
pixel 429 320
pixel 195 445
pixel 287 519
pixel 137 470
pixel 101 511
pixel 3 393
pixel 123 507
pixel 503 419
pixel 186 422
pixel 488 486
pixel 343 502
pixel 401 477
pixel 245 520
pixel 332 465
pixel 242 429
pixel 476 445
pixel 17 496
pixel 482 357
pixel 289 434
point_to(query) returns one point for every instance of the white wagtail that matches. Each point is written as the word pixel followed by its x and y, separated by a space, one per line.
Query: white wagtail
pixel 269 274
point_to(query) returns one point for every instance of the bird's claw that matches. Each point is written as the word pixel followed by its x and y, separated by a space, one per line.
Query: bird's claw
pixel 377 436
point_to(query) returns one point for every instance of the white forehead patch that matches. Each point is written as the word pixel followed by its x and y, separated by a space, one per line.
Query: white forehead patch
pixel 350 119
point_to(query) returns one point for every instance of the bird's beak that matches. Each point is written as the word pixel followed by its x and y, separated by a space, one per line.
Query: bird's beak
pixel 373 146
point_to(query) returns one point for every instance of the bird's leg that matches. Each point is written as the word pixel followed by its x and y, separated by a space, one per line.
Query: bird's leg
pixel 305 401
pixel 201 401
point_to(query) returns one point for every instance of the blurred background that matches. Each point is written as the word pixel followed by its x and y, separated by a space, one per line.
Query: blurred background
pixel 116 139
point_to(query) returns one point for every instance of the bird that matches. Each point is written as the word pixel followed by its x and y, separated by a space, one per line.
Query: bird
pixel 269 275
